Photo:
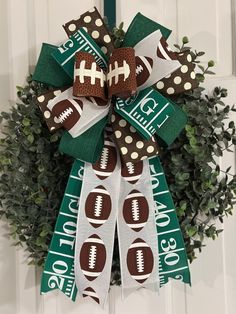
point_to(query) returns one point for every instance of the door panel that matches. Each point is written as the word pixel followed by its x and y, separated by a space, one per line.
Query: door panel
pixel 210 26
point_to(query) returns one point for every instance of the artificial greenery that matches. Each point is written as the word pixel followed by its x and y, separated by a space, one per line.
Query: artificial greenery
pixel 34 173
pixel 201 190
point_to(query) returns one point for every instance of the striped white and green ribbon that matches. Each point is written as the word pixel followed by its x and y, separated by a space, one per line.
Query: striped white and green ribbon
pixel 173 261
pixel 59 266
pixel 80 41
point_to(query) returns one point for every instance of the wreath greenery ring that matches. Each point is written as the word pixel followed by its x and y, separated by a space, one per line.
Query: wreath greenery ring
pixel 34 172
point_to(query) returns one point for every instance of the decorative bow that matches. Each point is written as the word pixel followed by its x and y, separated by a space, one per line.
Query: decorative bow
pixel 118 87
pixel 78 109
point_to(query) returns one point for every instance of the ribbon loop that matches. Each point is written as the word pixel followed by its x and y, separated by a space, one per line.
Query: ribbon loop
pixel 162 66
pixel 78 42
pixel 183 79
pixel 148 112
pixel 132 146
pixel 121 77
pixel 93 23
pixel 89 78
pixel 76 114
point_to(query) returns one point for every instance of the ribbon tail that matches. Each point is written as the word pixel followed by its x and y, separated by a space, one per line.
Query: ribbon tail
pixel 137 231
pixel 59 266
pixel 173 261
pixel 96 225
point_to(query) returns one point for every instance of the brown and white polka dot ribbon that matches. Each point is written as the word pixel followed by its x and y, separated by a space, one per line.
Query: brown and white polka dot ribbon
pixel 93 24
pixel 131 145
pixel 183 79
pixel 52 122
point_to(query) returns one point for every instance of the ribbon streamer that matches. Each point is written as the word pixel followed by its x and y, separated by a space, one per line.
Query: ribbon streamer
pixel 136 230
pixel 107 197
pixel 59 267
pixel 172 255
pixel 97 220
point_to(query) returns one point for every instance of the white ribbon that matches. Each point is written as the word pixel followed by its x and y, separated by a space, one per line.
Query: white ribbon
pixel 161 67
pixel 89 115
pixel 98 187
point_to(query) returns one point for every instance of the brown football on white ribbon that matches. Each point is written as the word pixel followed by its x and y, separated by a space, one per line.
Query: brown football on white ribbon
pixel 106 164
pixel 68 112
pixel 144 67
pixel 135 210
pixel 132 172
pixel 98 206
pixel 90 292
pixel 140 260
pixel 92 257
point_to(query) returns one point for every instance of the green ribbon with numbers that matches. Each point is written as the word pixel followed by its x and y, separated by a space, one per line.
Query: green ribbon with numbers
pixel 80 41
pixel 148 112
pixel 59 266
pixel 173 261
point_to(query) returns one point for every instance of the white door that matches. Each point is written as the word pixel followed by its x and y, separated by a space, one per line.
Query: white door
pixel 211 26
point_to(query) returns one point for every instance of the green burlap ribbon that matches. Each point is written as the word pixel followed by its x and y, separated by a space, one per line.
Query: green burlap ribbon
pixel 88 146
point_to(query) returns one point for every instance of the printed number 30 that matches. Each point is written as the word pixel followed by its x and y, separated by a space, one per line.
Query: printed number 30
pixel 168 245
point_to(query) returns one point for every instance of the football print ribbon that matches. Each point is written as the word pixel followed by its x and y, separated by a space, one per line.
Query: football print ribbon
pixel 98 87
pixel 109 195
pixel 120 79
